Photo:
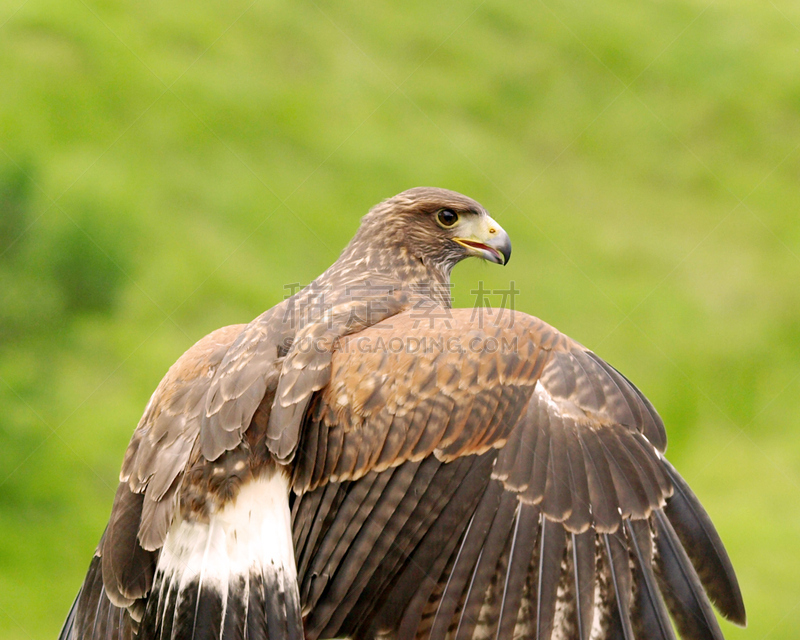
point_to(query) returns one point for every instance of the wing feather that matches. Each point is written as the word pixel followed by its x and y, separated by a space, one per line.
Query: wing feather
pixel 468 555
pixel 553 543
pixel 355 509
pixel 541 456
pixel 631 494
pixel 580 517
pixel 523 546
pixel 705 549
pixel 390 449
pixel 557 503
pixel 681 588
pixel 617 552
pixel 389 545
pixel 602 491
pixel 583 562
pixel 650 613
pixel 518 464
pixel 411 521
pixel 487 564
pixel 557 537
pixel 332 497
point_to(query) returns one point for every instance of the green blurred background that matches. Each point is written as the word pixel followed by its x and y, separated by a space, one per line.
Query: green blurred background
pixel 167 167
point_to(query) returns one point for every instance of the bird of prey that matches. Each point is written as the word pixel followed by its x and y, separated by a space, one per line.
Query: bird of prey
pixel 364 461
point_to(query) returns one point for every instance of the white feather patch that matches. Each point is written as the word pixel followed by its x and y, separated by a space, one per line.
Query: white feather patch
pixel 247 535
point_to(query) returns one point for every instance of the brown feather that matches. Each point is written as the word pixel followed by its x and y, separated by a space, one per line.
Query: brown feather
pixel 127 568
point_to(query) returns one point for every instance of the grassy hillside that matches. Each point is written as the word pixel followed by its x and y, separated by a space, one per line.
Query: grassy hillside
pixel 168 167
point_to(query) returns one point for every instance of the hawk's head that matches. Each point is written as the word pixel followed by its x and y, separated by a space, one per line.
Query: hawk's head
pixel 435 226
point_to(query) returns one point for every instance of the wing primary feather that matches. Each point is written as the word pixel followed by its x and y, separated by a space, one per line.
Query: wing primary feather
pixel 583 557
pixel 635 409
pixel 127 568
pixel 522 547
pixel 465 560
pixel 509 572
pixel 705 549
pixel 329 449
pixel 108 626
pixel 621 578
pixel 101 617
pixel 449 599
pixel 682 590
pixel 120 623
pixel 486 566
pixel 465 617
pixel 589 390
pixel 650 615
pixel 553 542
pixel 438 547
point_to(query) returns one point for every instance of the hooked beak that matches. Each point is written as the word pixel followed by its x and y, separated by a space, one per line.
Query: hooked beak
pixel 486 239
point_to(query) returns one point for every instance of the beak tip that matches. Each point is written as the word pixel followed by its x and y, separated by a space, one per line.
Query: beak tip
pixel 506 251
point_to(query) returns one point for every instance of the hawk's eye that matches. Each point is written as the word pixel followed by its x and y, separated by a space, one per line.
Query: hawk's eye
pixel 447 217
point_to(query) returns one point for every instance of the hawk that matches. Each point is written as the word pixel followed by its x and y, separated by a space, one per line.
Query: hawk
pixel 364 461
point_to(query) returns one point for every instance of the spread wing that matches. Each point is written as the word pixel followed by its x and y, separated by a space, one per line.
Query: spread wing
pixel 494 478
pixel 121 572
pixel 464 477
